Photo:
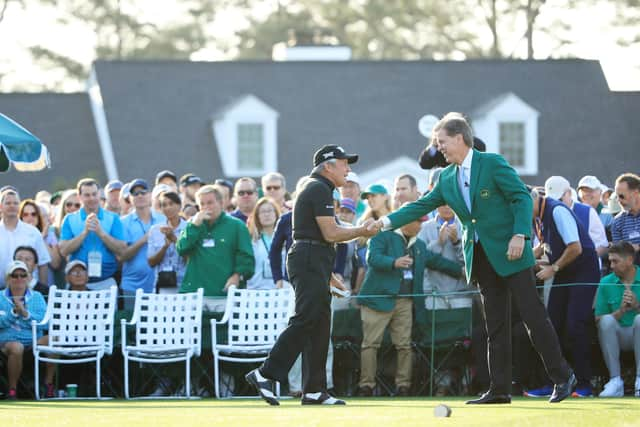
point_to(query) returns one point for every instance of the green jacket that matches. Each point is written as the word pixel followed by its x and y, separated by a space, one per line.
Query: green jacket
pixel 383 278
pixel 501 206
pixel 214 252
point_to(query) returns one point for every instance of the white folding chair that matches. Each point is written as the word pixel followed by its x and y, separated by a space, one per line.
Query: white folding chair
pixel 167 329
pixel 255 319
pixel 80 329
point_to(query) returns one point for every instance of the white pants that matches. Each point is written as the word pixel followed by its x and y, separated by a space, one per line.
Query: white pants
pixel 614 338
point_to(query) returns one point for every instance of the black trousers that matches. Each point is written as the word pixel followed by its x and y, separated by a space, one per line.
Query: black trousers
pixel 496 292
pixel 309 268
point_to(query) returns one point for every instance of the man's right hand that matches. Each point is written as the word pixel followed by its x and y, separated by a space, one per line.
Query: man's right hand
pixel 201 216
pixel 403 262
pixel 375 226
pixel 367 229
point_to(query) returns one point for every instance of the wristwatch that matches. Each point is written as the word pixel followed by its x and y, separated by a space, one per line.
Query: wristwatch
pixel 555 267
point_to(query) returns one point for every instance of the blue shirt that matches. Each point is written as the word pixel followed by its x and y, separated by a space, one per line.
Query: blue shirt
pixel 626 227
pixel 15 327
pixel 73 225
pixel 136 272
pixel 567 227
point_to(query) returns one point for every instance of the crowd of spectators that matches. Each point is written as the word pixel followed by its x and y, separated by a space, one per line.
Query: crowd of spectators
pixel 177 235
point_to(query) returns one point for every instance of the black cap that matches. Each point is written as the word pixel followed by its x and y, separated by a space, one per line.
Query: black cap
pixel 165 174
pixel 189 179
pixel 329 152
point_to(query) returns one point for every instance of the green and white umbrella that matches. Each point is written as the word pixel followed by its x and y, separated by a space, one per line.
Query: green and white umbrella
pixel 20 148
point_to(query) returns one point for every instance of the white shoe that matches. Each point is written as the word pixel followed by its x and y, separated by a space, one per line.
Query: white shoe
pixel 614 388
pixel 637 387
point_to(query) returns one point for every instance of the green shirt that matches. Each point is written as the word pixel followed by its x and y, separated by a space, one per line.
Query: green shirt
pixel 214 252
pixel 609 297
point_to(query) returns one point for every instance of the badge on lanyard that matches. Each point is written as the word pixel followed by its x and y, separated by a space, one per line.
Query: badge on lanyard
pixel 95 264
pixel 208 243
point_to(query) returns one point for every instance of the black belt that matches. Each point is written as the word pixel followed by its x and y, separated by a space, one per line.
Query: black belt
pixel 314 242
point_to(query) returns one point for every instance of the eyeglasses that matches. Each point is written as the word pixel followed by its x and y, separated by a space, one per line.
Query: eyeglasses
pixel 73 205
pixel 272 187
pixel 33 214
pixel 77 273
pixel 18 275
pixel 139 193
pixel 245 193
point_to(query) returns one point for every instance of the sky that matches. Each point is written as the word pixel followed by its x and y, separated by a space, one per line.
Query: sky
pixel 594 39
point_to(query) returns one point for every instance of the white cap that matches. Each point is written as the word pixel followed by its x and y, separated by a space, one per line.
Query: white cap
pixel 16 265
pixel 591 182
pixel 613 207
pixel 556 186
pixel 351 176
pixel 73 264
pixel 160 188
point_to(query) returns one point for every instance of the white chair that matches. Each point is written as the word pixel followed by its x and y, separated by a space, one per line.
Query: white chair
pixel 167 329
pixel 255 319
pixel 80 329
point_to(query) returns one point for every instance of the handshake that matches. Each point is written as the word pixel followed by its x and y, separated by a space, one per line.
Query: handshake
pixel 370 227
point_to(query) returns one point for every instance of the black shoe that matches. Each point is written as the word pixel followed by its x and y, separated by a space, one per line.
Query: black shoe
pixel 562 391
pixel 321 398
pixel 265 388
pixel 490 398
pixel 365 391
pixel 402 391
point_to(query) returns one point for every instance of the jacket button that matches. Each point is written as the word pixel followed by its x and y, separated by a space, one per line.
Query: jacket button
pixel 473 221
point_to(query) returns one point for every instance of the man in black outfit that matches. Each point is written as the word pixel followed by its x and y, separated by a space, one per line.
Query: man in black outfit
pixel 309 264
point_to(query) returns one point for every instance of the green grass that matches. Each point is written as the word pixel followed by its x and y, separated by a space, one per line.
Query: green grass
pixel 387 412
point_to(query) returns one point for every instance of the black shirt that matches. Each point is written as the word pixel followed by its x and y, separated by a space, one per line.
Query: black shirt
pixel 315 199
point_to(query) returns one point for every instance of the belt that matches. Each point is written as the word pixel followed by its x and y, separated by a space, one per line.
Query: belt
pixel 314 242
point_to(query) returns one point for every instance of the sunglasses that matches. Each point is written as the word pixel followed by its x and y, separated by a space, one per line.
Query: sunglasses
pixel 72 205
pixel 139 193
pixel 18 275
pixel 245 193
pixel 273 187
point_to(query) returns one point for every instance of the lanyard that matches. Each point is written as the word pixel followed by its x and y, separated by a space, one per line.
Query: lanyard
pixel 538 220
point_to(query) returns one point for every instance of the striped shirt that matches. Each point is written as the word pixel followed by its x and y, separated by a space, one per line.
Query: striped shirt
pixel 626 227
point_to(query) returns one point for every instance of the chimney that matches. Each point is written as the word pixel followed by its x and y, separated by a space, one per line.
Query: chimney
pixel 310 46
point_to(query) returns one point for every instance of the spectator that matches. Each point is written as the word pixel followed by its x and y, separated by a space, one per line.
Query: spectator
pixel 226 188
pixel 590 193
pixel 18 307
pixel 274 186
pixel 94 236
pixel 189 185
pixel 353 265
pixel 125 200
pixel 217 247
pixel 76 276
pixel 155 196
pixel 617 309
pixel 351 190
pixel 136 271
pixel 558 188
pixel 573 262
pixel 167 178
pixel 189 211
pixel 70 203
pixel 261 224
pixel 379 203
pixel 626 225
pixel 33 214
pixel 112 193
pixel 161 252
pixel 442 236
pixel 29 257
pixel 396 260
pixel 246 195
pixel 406 190
pixel 14 232
pixel 431 157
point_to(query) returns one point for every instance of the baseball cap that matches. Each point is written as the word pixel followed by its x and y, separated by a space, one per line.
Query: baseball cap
pixel 348 203
pixel 73 264
pixel 332 151
pixel 126 190
pixel 16 265
pixel 160 188
pixel 590 181
pixel 353 177
pixel 166 174
pixel 190 179
pixel 138 183
pixel 55 196
pixel 374 189
pixel 113 185
pixel 556 186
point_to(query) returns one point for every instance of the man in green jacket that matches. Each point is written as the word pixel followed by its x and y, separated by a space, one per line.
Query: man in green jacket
pixel 218 248
pixel 396 260
pixel 496 213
